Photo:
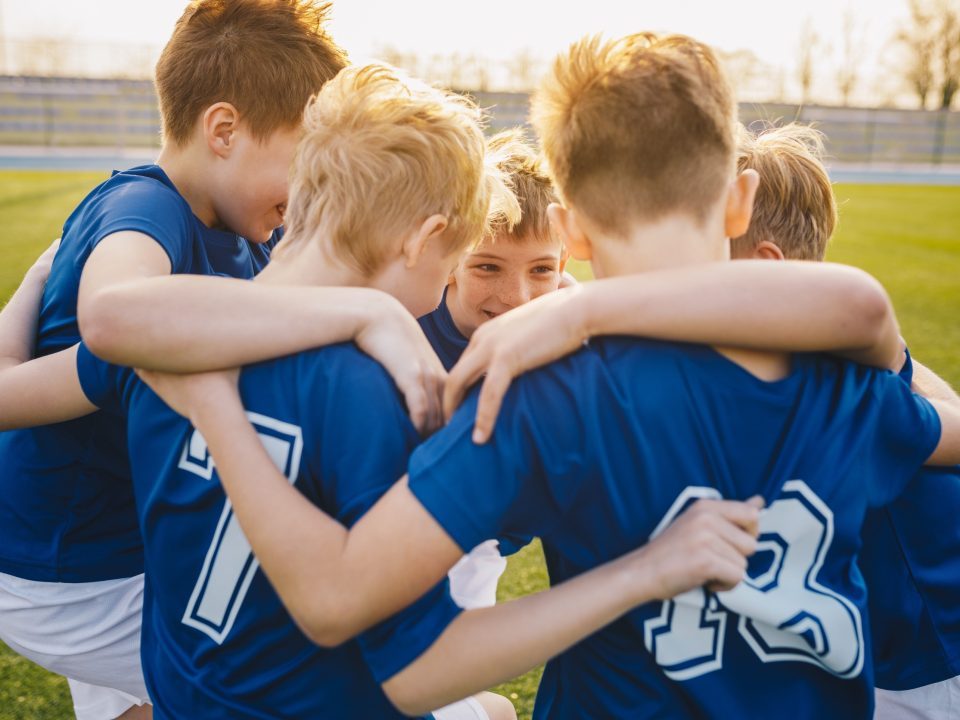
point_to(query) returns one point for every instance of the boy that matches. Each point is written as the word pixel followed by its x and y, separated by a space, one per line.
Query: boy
pixel 218 641
pixel 600 451
pixel 511 266
pixel 911 548
pixel 232 81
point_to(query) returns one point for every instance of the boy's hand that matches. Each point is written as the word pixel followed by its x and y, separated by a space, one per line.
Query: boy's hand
pixel 189 395
pixel 524 338
pixel 708 544
pixel 40 270
pixel 394 339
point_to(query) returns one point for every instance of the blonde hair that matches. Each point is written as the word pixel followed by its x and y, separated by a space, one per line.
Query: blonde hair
pixel 382 153
pixel 794 207
pixel 265 57
pixel 637 128
pixel 522 166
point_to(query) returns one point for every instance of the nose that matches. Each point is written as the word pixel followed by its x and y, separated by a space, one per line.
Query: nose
pixel 516 292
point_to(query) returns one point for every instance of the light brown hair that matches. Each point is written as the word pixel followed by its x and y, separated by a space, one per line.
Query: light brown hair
pixel 523 170
pixel 265 57
pixel 637 128
pixel 381 153
pixel 794 207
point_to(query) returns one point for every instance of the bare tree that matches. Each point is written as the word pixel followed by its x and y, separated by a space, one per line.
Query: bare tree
pixel 851 55
pixel 523 70
pixel 931 40
pixel 809 43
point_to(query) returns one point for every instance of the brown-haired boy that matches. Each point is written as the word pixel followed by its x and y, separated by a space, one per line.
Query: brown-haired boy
pixel 601 452
pixel 233 81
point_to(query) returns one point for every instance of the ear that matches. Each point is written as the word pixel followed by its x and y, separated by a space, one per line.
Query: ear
pixel 563 222
pixel 740 203
pixel 767 250
pixel 416 242
pixel 220 122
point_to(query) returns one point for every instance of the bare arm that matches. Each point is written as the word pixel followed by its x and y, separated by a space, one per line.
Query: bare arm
pixel 18 320
pixel 927 383
pixel 786 306
pixel 360 577
pixel 132 312
pixel 44 390
pixel 947 451
pixel 709 543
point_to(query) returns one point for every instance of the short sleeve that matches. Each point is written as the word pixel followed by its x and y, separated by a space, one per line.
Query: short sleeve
pixel 520 483
pixel 147 206
pixel 908 430
pixel 102 382
pixel 396 642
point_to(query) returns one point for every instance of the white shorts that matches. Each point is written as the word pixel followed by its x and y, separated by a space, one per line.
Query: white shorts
pixel 88 632
pixel 469 709
pixel 473 580
pixel 938 701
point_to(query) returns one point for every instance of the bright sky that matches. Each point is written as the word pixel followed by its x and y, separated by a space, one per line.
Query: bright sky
pixel 500 28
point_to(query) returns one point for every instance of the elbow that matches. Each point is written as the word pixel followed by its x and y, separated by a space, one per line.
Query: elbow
pixel 402 693
pixel 872 317
pixel 99 318
pixel 325 625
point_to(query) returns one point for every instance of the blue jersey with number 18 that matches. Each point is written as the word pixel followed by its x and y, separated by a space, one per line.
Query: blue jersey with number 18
pixel 217 642
pixel 597 453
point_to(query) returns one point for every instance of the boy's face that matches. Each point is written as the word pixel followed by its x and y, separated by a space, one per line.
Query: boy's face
pixel 500 275
pixel 254 190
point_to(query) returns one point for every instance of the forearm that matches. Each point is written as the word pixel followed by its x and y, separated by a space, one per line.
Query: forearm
pixel 482 648
pixel 191 323
pixel 18 320
pixel 334 584
pixel 785 306
pixel 932 386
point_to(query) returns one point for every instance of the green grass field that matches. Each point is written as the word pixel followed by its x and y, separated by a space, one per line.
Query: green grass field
pixel 908 237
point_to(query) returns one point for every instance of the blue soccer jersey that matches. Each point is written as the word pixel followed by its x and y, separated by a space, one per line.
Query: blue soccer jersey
pixel 66 505
pixel 598 452
pixel 911 562
pixel 217 641
pixel 447 341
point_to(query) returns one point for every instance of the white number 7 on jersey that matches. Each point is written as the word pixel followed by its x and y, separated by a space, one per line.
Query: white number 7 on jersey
pixel 230 565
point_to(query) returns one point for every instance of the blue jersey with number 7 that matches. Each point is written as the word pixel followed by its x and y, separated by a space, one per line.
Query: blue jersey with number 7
pixel 599 452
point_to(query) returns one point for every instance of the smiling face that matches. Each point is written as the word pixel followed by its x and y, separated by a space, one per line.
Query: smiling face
pixel 501 274
pixel 254 190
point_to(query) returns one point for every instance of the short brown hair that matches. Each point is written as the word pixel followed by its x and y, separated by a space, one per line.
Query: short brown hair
pixel 381 153
pixel 794 207
pixel 265 57
pixel 637 128
pixel 523 169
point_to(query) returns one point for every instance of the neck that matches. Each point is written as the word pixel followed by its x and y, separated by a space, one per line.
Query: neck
pixel 304 262
pixel 672 242
pixel 453 308
pixel 185 172
pixel 677 242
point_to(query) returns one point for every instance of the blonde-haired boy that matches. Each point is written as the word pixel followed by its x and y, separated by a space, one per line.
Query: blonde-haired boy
pixel 910 557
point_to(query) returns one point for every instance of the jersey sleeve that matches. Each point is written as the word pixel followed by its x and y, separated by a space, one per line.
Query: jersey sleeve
pixel 365 421
pixel 146 206
pixel 908 431
pixel 519 484
pixel 103 383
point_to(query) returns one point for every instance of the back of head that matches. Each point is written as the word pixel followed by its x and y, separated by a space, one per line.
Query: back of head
pixel 638 128
pixel 265 57
pixel 794 207
pixel 523 170
pixel 381 153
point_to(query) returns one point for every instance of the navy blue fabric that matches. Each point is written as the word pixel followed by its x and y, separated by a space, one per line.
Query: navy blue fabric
pixel 217 641
pixel 595 452
pixel 66 505
pixel 447 341
pixel 911 562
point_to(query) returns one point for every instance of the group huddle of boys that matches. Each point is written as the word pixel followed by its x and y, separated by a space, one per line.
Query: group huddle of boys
pixel 642 465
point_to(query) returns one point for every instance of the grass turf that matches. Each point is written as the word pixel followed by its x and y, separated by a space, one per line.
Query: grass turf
pixel 907 236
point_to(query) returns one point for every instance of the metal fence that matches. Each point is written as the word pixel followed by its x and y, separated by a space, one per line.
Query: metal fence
pixel 122 114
